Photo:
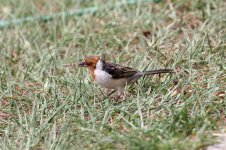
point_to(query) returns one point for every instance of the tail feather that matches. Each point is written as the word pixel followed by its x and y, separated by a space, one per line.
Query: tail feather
pixel 158 71
pixel 138 75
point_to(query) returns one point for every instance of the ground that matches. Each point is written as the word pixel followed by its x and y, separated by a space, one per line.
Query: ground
pixel 48 102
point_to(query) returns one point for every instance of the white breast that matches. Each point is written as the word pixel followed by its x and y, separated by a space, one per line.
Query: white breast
pixel 105 79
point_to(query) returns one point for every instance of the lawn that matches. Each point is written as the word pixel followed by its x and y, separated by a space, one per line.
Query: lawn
pixel 48 102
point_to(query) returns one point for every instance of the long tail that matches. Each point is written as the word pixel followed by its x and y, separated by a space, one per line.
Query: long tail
pixel 158 71
pixel 151 72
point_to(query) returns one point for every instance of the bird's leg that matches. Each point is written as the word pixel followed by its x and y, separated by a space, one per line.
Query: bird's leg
pixel 117 97
pixel 111 92
pixel 108 95
pixel 120 95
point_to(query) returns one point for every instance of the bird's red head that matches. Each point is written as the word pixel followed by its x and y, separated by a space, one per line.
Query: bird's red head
pixel 90 63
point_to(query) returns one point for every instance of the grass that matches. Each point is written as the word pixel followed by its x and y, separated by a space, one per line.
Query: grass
pixel 45 105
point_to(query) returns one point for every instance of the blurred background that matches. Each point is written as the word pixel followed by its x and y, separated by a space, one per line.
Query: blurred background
pixel 46 105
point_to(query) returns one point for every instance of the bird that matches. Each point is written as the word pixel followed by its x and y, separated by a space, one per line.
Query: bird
pixel 115 76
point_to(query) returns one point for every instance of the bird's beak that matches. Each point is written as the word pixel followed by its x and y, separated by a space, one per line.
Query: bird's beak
pixel 82 64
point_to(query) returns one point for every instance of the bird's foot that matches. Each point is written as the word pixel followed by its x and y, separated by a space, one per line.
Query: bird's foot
pixel 119 98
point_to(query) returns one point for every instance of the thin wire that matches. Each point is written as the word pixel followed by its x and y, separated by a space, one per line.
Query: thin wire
pixel 78 12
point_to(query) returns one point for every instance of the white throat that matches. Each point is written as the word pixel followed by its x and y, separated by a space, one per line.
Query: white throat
pixel 99 65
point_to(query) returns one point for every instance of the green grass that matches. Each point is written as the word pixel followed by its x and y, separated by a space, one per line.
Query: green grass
pixel 45 105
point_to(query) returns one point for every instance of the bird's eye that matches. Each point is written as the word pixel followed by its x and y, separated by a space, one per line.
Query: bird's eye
pixel 89 64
